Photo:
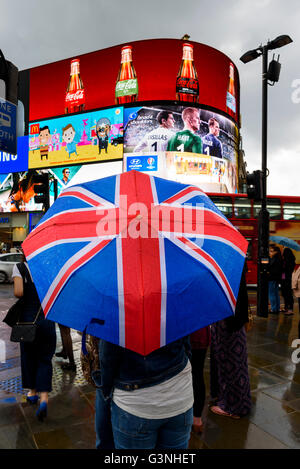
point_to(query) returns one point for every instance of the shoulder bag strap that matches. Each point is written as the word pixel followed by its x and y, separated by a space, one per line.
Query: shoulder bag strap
pixel 24 271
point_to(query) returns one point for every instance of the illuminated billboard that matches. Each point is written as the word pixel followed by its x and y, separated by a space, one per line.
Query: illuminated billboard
pixel 76 139
pixel 184 143
pixel 149 70
pixel 68 98
pixel 17 193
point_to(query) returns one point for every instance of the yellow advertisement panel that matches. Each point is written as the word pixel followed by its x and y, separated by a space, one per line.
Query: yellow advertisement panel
pixel 76 139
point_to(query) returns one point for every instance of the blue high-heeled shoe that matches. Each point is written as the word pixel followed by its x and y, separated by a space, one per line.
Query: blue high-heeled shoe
pixel 32 399
pixel 41 413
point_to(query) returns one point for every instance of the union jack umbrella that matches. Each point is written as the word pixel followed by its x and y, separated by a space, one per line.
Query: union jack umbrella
pixel 136 260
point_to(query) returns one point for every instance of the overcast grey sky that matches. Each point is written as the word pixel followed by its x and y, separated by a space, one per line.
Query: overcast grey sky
pixel 35 32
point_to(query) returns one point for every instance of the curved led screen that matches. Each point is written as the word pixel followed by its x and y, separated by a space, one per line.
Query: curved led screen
pixel 156 69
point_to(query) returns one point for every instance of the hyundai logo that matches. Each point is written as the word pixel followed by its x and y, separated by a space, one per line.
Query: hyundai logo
pixel 135 161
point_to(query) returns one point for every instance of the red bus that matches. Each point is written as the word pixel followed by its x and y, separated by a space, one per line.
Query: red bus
pixel 243 213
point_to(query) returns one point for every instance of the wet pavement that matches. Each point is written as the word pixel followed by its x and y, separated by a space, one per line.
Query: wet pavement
pixel 274 422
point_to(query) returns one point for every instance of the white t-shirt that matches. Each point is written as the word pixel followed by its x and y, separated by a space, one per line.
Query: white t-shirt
pixel 164 400
pixel 16 272
pixel 155 141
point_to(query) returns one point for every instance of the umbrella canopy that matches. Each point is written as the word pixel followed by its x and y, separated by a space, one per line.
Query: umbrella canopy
pixel 138 260
pixel 287 242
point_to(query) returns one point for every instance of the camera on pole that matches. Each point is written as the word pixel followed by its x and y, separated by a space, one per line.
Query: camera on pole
pixel 41 189
pixel 255 185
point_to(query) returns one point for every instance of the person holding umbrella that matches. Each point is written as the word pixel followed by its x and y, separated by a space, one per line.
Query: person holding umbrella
pixel 151 396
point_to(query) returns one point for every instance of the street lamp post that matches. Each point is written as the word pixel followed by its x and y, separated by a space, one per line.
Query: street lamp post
pixel 263 220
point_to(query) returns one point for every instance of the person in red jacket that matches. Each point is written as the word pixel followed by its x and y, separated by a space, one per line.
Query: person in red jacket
pixel 200 341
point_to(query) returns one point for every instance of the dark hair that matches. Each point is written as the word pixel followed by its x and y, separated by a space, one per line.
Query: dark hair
pixel 45 128
pixel 288 255
pixel 163 115
pixel 212 121
pixel 277 250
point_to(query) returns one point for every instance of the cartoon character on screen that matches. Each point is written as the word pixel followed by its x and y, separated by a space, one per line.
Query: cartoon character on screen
pixel 68 136
pixel 44 141
pixel 102 135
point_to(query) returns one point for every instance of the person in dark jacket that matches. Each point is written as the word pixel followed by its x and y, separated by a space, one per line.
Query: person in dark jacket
pixel 151 396
pixel 36 356
pixel 230 386
pixel 288 266
pixel 200 341
pixel 274 277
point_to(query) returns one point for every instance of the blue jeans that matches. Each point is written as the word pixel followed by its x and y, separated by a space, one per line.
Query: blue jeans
pixel 104 435
pixel 274 296
pixel 131 432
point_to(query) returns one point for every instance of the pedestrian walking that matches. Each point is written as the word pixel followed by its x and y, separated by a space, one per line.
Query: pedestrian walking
pixel 274 277
pixel 67 348
pixel 288 266
pixel 200 341
pixel 36 356
pixel 151 396
pixel 230 387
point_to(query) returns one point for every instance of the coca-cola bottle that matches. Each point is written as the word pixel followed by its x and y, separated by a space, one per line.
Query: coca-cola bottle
pixel 127 85
pixel 75 96
pixel 230 96
pixel 187 84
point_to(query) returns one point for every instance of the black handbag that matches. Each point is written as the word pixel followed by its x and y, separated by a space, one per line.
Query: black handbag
pixel 24 332
pixel 15 311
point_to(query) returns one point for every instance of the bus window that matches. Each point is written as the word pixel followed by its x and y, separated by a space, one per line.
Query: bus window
pixel 273 207
pixel 224 204
pixel 291 211
pixel 242 208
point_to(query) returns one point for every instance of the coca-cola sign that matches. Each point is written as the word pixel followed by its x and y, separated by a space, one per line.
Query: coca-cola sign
pixel 75 98
pixel 187 85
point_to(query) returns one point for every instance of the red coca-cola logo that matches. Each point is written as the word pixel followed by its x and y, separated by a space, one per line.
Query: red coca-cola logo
pixel 77 97
pixel 189 83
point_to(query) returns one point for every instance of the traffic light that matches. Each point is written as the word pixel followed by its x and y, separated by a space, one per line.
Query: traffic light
pixel 254 185
pixel 9 74
pixel 41 188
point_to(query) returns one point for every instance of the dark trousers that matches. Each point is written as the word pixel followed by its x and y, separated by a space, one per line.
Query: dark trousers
pixel 198 358
pixel 287 293
pixel 36 358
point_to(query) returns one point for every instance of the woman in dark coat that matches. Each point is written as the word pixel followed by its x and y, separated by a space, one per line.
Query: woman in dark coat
pixel 288 267
pixel 36 356
pixel 230 387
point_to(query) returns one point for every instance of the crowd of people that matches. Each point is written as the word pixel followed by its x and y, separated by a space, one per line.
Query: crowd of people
pixel 144 402
pixel 154 402
pixel 281 274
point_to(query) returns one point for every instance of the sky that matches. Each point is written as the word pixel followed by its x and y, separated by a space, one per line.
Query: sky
pixel 36 32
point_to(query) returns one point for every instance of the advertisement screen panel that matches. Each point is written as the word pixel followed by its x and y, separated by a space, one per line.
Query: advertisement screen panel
pixel 187 144
pixel 76 139
pixel 17 194
pixel 135 72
